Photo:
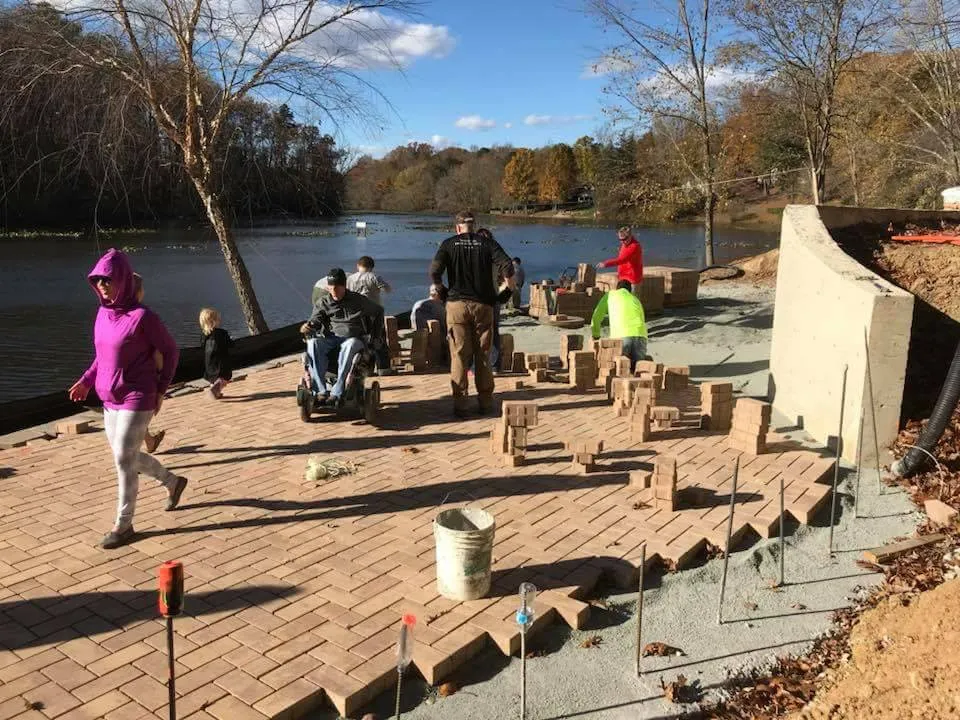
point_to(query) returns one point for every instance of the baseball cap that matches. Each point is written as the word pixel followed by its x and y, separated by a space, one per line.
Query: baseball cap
pixel 336 276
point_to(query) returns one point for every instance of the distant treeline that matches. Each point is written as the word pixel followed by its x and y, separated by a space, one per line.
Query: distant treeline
pixel 80 148
pixel 881 155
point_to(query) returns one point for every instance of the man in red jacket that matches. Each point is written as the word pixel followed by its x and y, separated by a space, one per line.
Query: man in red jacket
pixel 629 262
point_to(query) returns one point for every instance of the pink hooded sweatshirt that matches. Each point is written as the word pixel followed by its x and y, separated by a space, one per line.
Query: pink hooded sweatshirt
pixel 126 335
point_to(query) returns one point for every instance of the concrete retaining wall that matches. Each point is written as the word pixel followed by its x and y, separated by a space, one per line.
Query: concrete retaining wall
pixel 825 301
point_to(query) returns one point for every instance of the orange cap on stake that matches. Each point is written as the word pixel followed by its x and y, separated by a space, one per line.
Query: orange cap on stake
pixel 170 586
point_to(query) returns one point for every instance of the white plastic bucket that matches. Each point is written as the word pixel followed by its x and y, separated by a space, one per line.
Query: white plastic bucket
pixel 464 540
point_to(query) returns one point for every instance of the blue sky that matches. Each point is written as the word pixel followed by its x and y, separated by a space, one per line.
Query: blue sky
pixel 491 72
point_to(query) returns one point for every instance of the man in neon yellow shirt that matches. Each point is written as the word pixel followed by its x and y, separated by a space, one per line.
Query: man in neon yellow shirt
pixel 627 321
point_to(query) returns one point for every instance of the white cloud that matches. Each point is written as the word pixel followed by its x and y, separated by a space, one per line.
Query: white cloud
pixel 474 122
pixel 719 79
pixel 508 125
pixel 441 142
pixel 555 119
pixel 363 40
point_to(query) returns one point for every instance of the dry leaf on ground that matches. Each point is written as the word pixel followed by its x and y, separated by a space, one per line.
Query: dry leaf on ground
pixel 447 689
pixel 592 642
pixel 659 649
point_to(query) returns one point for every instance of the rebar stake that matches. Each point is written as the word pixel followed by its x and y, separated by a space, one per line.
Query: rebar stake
pixel 643 567
pixel 399 684
pixel 783 531
pixel 856 496
pixel 726 552
pixel 873 412
pixel 836 467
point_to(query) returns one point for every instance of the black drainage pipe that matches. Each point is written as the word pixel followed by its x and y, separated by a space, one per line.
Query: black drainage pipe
pixel 915 458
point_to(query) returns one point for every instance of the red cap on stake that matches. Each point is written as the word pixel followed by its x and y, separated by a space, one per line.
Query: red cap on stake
pixel 170 585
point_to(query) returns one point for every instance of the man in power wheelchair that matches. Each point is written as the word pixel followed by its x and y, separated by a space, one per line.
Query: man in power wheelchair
pixel 344 336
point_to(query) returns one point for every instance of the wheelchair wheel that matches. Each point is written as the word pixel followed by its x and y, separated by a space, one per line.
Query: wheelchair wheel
pixel 306 403
pixel 371 402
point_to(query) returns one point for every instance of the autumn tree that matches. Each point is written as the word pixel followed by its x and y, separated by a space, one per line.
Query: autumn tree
pixel 558 174
pixel 808 45
pixel 663 62
pixel 585 151
pixel 191 63
pixel 928 87
pixel 520 177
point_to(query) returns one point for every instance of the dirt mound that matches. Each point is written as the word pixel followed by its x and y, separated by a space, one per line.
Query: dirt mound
pixel 758 269
pixel 905 663
pixel 930 272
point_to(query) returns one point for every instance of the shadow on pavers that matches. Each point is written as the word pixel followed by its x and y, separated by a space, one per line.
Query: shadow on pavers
pixel 7 472
pixel 327 445
pixel 396 500
pixel 61 618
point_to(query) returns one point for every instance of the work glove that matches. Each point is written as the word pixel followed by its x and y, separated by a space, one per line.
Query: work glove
pixel 504 295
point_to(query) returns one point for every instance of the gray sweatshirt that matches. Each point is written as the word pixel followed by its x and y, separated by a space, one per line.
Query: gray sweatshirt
pixel 369 284
pixel 346 318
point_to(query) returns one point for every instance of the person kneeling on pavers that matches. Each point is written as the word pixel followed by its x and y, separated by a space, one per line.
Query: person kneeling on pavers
pixel 627 321
pixel 344 317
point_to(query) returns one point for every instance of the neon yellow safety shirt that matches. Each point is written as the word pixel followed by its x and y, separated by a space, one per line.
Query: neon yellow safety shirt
pixel 626 315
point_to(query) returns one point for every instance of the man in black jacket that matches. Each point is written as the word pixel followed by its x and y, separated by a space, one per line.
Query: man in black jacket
pixel 471 263
pixel 344 318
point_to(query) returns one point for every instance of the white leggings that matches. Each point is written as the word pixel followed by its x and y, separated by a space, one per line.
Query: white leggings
pixel 125 431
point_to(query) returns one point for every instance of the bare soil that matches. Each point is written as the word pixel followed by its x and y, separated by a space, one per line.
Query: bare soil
pixel 757 269
pixel 904 663
pixel 932 274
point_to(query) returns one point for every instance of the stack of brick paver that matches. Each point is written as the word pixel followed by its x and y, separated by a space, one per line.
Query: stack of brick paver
pixel 508 438
pixel 680 285
pixel 569 342
pixel 623 366
pixel 420 350
pixel 537 365
pixel 751 422
pixel 651 294
pixel 639 416
pixel 435 341
pixel 583 370
pixel 664 483
pixel 663 416
pixel 579 304
pixel 675 377
pixel 608 350
pixel 716 403
pixel 585 451
pixel 506 352
pixel 620 391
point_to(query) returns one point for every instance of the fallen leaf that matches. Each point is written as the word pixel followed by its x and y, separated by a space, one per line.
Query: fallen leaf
pixel 592 642
pixel 799 606
pixel 750 605
pixel 640 506
pixel 659 649
pixel 411 450
pixel 447 689
pixel 613 544
pixel 774 586
pixel 678 691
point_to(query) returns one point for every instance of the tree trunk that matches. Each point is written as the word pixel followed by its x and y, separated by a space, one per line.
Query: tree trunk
pixel 708 225
pixel 252 313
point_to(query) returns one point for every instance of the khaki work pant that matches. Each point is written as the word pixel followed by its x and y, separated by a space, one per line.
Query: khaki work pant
pixel 470 329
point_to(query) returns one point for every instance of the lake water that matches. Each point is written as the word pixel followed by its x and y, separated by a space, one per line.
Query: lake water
pixel 47 308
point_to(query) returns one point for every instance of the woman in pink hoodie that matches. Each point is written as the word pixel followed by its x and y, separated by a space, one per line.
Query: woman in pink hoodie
pixel 127 336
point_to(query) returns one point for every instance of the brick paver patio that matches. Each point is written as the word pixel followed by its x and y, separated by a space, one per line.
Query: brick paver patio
pixel 295 590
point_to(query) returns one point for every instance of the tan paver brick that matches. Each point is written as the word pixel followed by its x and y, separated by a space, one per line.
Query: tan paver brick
pixel 294 587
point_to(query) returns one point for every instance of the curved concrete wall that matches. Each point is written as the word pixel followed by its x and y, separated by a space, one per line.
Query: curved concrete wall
pixel 825 301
